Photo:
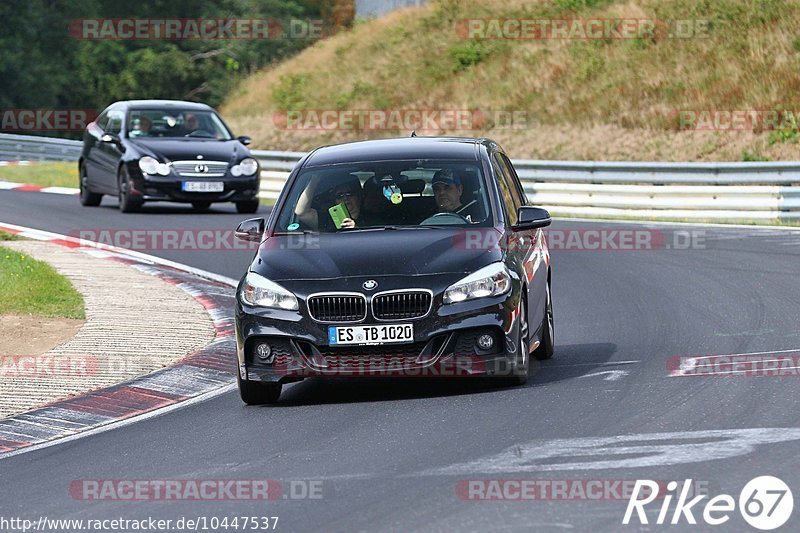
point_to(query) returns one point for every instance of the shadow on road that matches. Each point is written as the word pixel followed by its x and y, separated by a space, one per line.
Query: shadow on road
pixel 570 361
pixel 168 208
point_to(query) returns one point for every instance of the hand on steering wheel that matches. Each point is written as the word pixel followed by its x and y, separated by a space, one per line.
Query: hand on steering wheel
pixel 432 219
pixel 199 133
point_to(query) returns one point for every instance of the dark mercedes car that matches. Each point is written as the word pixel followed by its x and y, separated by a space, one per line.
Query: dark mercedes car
pixel 400 257
pixel 150 150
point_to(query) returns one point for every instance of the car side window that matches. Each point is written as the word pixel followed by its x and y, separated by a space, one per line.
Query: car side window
pixel 515 183
pixel 102 120
pixel 505 191
pixel 115 119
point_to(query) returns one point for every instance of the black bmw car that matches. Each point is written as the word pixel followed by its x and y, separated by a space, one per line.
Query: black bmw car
pixel 400 257
pixel 149 150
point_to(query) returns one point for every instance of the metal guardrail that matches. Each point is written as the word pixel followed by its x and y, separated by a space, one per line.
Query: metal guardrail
pixel 32 148
pixel 742 191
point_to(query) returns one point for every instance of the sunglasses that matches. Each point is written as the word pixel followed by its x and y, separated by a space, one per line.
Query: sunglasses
pixel 343 195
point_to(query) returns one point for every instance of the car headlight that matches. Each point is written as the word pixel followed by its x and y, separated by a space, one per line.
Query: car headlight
pixel 247 167
pixel 163 169
pixel 148 165
pixel 261 292
pixel 492 280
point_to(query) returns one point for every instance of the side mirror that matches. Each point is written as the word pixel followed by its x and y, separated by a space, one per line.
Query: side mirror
pixel 110 138
pixel 244 139
pixel 529 217
pixel 251 229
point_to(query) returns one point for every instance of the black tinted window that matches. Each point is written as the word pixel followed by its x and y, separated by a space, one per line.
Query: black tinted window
pixel 115 119
pixel 388 193
pixel 506 193
pixel 174 123
pixel 102 120
pixel 514 182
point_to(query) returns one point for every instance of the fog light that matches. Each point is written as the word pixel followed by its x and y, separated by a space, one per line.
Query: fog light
pixel 485 342
pixel 264 353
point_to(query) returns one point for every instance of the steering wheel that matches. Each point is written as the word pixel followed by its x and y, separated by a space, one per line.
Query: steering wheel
pixel 199 133
pixel 444 218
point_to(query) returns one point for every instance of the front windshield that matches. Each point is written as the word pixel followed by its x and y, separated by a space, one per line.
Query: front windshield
pixel 387 193
pixel 176 123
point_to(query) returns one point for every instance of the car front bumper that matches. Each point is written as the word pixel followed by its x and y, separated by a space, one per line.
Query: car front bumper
pixel 444 344
pixel 170 188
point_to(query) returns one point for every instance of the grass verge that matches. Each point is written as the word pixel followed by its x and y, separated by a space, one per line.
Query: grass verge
pixel 56 174
pixel 5 236
pixel 31 287
pixel 605 98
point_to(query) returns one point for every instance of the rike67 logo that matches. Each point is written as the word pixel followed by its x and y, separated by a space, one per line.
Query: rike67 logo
pixel 765 503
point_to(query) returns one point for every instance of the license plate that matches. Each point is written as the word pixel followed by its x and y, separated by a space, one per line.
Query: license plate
pixel 340 335
pixel 203 186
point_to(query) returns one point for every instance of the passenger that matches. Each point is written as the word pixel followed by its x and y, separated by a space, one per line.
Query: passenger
pixel 348 193
pixel 141 127
pixel 447 191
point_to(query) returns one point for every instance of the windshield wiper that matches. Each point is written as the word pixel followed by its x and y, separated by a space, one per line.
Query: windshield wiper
pixel 368 228
pixel 296 232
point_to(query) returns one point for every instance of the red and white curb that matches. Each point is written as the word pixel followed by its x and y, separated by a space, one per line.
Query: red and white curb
pixel 203 374
pixel 13 186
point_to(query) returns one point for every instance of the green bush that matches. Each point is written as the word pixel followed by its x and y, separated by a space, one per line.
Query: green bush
pixel 289 93
pixel 468 53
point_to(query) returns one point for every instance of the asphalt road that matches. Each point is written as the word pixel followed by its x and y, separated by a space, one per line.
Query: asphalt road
pixel 390 455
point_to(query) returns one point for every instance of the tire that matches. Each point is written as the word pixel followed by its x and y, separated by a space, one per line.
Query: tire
pixel 127 204
pixel 257 393
pixel 250 206
pixel 201 206
pixel 519 368
pixel 87 197
pixel 520 376
pixel 547 346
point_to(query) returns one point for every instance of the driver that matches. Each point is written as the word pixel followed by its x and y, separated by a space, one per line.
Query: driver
pixel 447 191
pixel 190 122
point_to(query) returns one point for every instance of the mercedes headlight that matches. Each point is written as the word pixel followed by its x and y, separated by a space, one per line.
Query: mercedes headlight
pixel 260 292
pixel 247 167
pixel 492 280
pixel 148 165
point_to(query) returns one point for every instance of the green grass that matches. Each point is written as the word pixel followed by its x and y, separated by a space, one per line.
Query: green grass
pixel 60 174
pixel 5 236
pixel 608 99
pixel 31 287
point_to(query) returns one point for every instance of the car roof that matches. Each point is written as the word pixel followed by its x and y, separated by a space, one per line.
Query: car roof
pixel 399 149
pixel 149 104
